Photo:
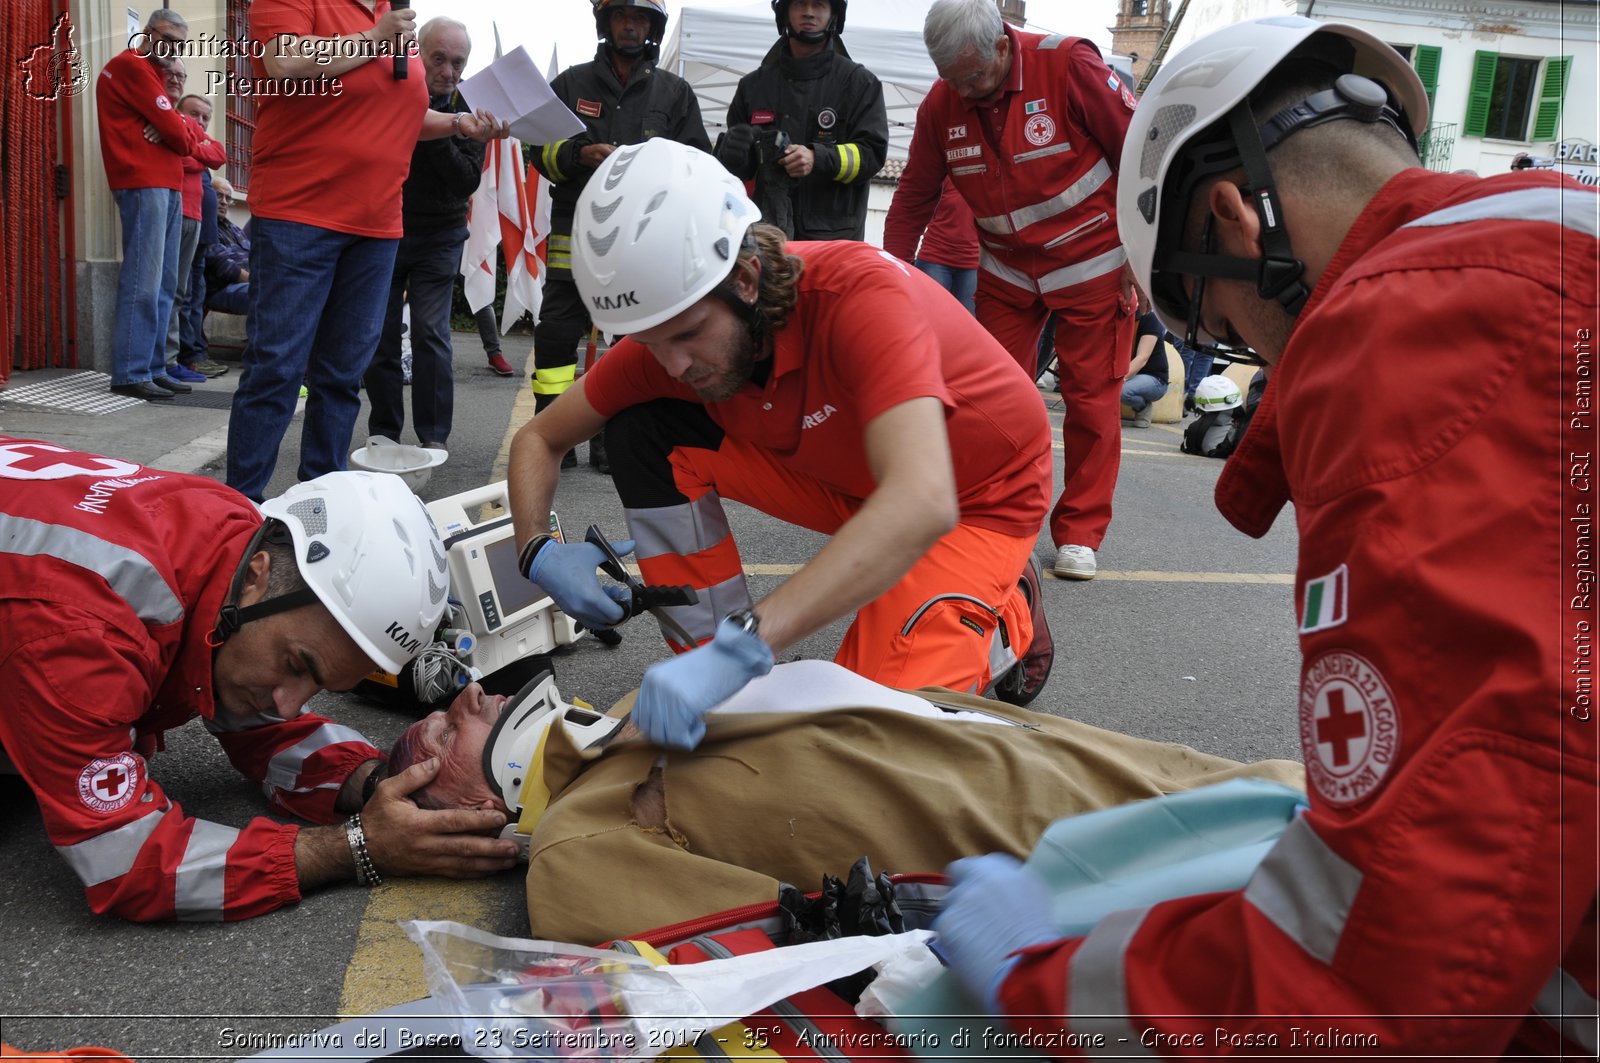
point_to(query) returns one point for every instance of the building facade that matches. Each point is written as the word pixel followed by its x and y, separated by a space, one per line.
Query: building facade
pixel 1504 78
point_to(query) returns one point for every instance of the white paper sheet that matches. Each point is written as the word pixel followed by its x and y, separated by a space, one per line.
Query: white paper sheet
pixel 512 89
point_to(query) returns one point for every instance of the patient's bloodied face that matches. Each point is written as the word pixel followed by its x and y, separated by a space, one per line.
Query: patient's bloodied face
pixel 456 736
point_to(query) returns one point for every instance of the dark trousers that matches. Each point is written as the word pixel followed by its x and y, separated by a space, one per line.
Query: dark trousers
pixel 563 324
pixel 488 329
pixel 425 269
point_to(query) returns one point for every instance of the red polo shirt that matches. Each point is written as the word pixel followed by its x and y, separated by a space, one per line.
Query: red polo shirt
pixel 867 334
pixel 335 156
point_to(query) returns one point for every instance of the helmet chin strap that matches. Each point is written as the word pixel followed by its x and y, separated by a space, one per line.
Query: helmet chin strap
pixel 1278 274
pixel 231 617
pixel 749 313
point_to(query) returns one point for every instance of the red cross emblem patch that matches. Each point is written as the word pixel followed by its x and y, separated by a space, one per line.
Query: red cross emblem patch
pixel 108 785
pixel 1040 130
pixel 45 461
pixel 1349 730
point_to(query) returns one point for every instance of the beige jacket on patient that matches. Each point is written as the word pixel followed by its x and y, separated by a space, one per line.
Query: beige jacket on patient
pixel 791 797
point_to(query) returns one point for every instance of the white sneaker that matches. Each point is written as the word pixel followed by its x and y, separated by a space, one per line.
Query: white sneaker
pixel 1075 562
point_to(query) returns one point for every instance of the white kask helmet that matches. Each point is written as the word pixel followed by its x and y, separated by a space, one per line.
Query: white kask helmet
pixel 1217 393
pixel 658 226
pixel 369 551
pixel 1162 157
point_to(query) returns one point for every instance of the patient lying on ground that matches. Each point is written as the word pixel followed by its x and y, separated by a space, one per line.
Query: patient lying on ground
pixel 801 774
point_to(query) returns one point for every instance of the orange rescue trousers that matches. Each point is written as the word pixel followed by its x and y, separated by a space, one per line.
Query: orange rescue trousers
pixel 935 627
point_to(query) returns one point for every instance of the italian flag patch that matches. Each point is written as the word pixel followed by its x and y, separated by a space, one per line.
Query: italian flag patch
pixel 1327 601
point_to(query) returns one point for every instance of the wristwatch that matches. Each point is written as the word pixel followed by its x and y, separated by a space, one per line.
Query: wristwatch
pixel 747 620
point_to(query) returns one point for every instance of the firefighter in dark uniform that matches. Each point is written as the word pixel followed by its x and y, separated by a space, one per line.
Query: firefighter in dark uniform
pixel 623 98
pixel 809 125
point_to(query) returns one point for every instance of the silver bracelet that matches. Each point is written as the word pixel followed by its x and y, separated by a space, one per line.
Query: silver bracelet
pixel 366 873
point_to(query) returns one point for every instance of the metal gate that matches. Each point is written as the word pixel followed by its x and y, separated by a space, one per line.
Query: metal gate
pixel 37 278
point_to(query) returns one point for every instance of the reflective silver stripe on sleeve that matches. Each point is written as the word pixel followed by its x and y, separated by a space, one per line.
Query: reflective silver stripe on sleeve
pixel 1060 203
pixel 132 576
pixel 112 854
pixel 202 874
pixel 700 619
pixel 1527 204
pixel 682 529
pixel 223 726
pixel 1051 43
pixel 1305 889
pixel 283 771
pixel 1099 987
pixel 1569 1010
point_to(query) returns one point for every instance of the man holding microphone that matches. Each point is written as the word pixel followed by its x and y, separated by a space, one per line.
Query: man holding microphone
pixel 326 178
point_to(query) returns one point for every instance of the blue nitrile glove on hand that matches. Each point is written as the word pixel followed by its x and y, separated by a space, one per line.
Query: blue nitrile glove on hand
pixel 569 573
pixel 676 694
pixel 994 908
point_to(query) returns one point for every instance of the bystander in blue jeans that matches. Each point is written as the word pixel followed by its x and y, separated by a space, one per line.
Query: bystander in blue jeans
pixel 1142 391
pixel 192 333
pixel 316 310
pixel 1196 367
pixel 961 283
pixel 188 243
pixel 151 229
pixel 230 299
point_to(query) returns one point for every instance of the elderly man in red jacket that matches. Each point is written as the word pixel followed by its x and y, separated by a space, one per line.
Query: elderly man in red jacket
pixel 146 177
pixel 1030 129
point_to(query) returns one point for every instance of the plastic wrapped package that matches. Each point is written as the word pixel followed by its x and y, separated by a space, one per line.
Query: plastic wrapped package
pixel 545 1000
pixel 514 998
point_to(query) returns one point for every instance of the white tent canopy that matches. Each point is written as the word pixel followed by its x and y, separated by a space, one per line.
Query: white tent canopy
pixel 712 48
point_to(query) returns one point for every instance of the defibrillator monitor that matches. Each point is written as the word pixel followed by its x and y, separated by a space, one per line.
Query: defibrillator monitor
pixel 489 584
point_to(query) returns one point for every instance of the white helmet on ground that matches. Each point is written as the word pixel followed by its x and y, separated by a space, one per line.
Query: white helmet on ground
pixel 368 550
pixel 658 226
pixel 1190 125
pixel 1217 393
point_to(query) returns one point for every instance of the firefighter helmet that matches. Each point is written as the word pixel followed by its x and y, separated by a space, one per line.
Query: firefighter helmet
pixel 780 14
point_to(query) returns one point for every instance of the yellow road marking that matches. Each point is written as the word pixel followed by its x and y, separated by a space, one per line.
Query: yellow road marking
pixel 521 414
pixel 386 968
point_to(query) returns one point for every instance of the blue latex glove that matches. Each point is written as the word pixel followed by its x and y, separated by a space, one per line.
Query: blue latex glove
pixel 676 694
pixel 569 573
pixel 994 908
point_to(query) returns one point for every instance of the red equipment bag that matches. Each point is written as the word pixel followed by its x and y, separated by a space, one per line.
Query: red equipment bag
pixel 815 1024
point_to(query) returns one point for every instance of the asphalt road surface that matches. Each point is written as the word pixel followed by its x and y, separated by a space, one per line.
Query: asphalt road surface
pixel 1187 635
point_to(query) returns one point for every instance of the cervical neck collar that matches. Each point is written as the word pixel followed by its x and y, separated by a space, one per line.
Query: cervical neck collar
pixel 512 755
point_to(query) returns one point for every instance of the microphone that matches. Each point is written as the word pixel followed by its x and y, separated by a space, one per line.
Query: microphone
pixel 402 59
pixel 402 63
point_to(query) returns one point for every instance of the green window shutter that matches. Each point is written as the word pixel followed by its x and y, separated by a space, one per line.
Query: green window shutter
pixel 1477 120
pixel 1426 62
pixel 1548 116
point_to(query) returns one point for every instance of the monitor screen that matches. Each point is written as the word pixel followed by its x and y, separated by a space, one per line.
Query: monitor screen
pixel 513 593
